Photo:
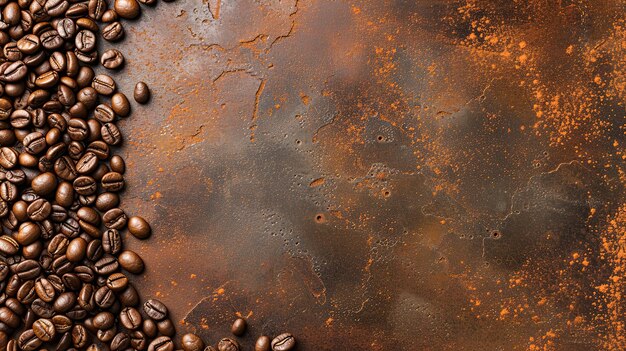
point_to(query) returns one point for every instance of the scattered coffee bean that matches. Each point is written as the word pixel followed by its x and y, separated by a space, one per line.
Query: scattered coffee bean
pixel 138 227
pixel 262 343
pixel 283 342
pixel 141 93
pixel 238 327
pixel 192 342
pixel 227 344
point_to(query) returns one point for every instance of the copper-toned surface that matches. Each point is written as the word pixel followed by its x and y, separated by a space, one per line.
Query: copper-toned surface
pixel 384 175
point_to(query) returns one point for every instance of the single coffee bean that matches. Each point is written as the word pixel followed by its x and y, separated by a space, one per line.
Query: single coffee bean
pixel 283 342
pixel 141 93
pixel 155 309
pixel 227 344
pixel 262 344
pixel 76 250
pixel 85 41
pixel 127 9
pixel 129 297
pixel 117 282
pixel 120 104
pixel 44 329
pixel 28 341
pixel 192 342
pixel 111 134
pixel 112 59
pixel 79 336
pixel 166 327
pixel 113 31
pixel 103 84
pixel 103 320
pixel 130 318
pixel 64 302
pixel 61 323
pixel 39 210
pixel 238 327
pixel 120 342
pixel 138 340
pixel 131 262
pixel 138 227
pixel 44 289
pixel 162 343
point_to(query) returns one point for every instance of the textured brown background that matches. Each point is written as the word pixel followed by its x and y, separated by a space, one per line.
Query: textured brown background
pixel 384 175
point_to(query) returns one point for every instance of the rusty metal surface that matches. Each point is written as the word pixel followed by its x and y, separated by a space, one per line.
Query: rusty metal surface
pixel 384 175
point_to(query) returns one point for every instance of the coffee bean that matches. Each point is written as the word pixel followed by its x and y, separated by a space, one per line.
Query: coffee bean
pixel 79 336
pixel 238 327
pixel 76 250
pixel 28 341
pixel 110 134
pixel 117 164
pixel 112 59
pixel 162 343
pixel 283 342
pixel 113 31
pixel 227 344
pixel 39 210
pixel 127 9
pixel 117 282
pixel 106 265
pixel 129 297
pixel 166 327
pixel 130 318
pixel 262 344
pixel 131 262
pixel 44 329
pixel 192 342
pixel 141 93
pixel 64 302
pixel 138 227
pixel 155 309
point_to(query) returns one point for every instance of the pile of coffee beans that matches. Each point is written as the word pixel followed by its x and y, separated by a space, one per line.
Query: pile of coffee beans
pixel 63 267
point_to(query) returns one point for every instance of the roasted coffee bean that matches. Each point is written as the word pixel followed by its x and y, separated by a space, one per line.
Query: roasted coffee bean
pixel 39 210
pixel 130 318
pixel 112 244
pixel 28 233
pixel 85 41
pixel 166 327
pixel 114 218
pixel 28 341
pixel 44 289
pixel 61 324
pixel 66 28
pixel 238 327
pixel 127 9
pixel 141 93
pixel 155 309
pixel 85 185
pixel 112 181
pixel 138 340
pixel 120 104
pixel 43 184
pixel 117 282
pixel 131 262
pixel 111 134
pixel 28 269
pixel 106 265
pixel 138 227
pixel 87 164
pixel 149 328
pixel 112 59
pixel 44 329
pixel 9 317
pixel 113 31
pixel 262 344
pixel 129 297
pixel 162 343
pixel 104 297
pixel 103 320
pixel 103 84
pixel 79 336
pixel 227 344
pixel 64 302
pixel 192 342
pixel 104 113
pixel 283 342
pixel 76 250
pixel 8 245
